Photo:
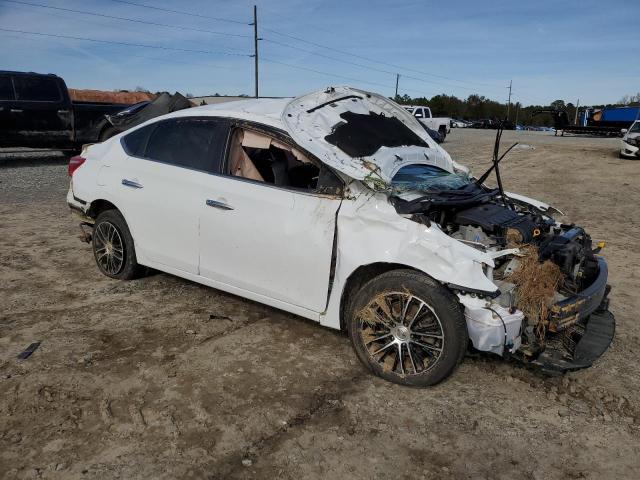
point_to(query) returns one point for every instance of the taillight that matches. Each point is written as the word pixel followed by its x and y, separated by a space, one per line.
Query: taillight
pixel 74 164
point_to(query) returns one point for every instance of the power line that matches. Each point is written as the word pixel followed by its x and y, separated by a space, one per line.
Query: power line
pixel 182 12
pixel 310 52
pixel 72 37
pixel 180 27
pixel 143 45
pixel 150 34
pixel 372 60
pixel 325 73
pixel 367 67
pixel 161 9
pixel 103 15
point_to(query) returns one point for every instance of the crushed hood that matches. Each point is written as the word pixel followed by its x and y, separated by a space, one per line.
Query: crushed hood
pixel 361 134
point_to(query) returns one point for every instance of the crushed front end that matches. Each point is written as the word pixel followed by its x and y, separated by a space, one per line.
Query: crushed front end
pixel 550 308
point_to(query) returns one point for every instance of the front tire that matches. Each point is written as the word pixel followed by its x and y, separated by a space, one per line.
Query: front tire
pixel 408 329
pixel 443 133
pixel 113 247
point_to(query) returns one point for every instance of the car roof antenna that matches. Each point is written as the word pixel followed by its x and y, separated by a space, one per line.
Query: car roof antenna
pixel 495 164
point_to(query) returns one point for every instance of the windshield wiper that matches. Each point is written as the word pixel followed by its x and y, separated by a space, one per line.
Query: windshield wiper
pixel 496 161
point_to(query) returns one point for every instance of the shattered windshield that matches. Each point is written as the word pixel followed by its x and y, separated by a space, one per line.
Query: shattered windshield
pixel 427 178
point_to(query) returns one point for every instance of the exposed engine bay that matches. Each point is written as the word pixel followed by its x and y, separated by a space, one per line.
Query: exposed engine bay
pixel 548 275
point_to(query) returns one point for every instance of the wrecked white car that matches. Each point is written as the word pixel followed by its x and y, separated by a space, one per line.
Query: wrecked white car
pixel 337 206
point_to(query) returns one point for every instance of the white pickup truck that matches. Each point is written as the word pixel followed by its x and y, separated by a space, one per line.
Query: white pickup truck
pixel 442 125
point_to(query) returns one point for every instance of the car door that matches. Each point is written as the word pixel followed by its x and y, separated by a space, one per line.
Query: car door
pixel 274 241
pixel 160 182
pixel 41 113
pixel 8 131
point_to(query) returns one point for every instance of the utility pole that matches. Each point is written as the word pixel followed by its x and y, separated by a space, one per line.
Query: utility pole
pixel 509 101
pixel 397 80
pixel 575 120
pixel 517 111
pixel 255 45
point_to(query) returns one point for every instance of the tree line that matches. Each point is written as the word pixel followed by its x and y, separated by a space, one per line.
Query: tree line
pixel 476 107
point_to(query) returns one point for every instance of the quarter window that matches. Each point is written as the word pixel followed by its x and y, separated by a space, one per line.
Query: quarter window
pixel 36 89
pixel 135 143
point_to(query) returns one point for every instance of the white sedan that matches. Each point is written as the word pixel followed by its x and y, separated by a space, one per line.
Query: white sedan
pixel 459 123
pixel 630 147
pixel 337 206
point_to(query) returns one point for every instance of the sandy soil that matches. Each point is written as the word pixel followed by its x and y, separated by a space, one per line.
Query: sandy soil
pixel 163 378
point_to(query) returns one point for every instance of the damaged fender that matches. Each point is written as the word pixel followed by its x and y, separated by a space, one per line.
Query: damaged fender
pixel 370 231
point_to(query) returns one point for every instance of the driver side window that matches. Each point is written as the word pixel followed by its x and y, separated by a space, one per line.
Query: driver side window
pixel 419 113
pixel 263 158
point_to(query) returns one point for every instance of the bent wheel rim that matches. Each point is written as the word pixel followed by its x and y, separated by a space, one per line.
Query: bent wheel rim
pixel 401 333
pixel 109 248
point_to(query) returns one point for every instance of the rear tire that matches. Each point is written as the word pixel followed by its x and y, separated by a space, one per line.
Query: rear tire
pixel 113 247
pixel 407 328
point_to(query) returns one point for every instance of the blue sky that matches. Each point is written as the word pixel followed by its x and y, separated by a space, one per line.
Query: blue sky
pixel 551 49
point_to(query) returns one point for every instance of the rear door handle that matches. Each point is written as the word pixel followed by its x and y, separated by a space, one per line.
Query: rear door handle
pixel 220 205
pixel 15 110
pixel 63 111
pixel 131 183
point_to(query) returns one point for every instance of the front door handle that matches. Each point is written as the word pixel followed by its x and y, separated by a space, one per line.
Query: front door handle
pixel 220 205
pixel 130 183
pixel 15 110
pixel 63 111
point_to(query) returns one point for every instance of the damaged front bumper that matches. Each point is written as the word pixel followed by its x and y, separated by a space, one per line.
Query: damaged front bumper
pixel 631 148
pixel 569 311
pixel 582 328
pixel 581 346
pixel 579 330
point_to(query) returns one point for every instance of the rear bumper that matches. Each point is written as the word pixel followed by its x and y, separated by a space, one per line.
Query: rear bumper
pixel 74 202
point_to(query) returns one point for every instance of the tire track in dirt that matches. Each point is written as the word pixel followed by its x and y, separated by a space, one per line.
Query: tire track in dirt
pixel 320 404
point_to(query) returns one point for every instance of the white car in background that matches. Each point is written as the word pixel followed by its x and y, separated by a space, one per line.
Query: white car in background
pixel 442 125
pixel 338 206
pixel 630 147
pixel 459 123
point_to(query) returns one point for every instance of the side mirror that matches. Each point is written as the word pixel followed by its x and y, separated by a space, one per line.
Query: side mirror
pixel 623 131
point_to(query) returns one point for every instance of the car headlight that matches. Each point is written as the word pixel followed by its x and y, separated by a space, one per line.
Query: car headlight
pixel 631 141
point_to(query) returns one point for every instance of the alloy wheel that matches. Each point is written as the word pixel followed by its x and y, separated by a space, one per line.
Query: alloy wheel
pixel 401 333
pixel 109 248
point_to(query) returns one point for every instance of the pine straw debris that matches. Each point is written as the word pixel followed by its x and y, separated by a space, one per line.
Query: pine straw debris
pixel 536 284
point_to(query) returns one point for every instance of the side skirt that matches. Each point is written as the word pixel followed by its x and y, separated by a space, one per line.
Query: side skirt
pixel 287 307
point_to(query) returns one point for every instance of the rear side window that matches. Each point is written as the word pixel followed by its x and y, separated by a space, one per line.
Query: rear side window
pixel 135 143
pixel 37 89
pixel 196 143
pixel 6 88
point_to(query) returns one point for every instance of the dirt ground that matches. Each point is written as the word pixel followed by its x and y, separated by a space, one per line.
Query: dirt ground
pixel 164 378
